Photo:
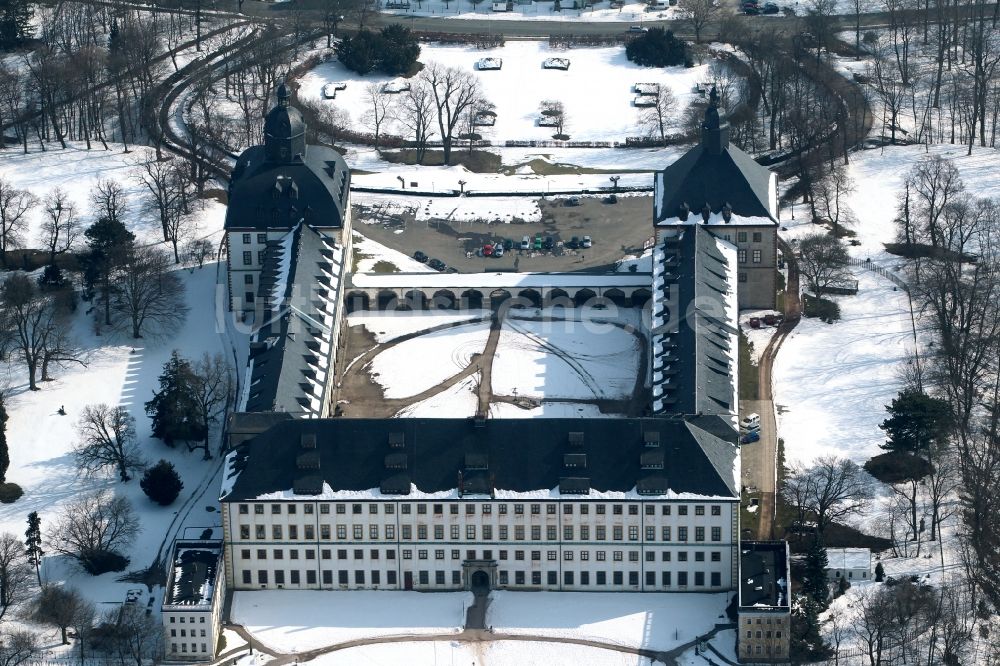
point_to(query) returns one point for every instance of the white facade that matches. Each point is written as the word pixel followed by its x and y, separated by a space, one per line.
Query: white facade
pixel 191 626
pixel 426 544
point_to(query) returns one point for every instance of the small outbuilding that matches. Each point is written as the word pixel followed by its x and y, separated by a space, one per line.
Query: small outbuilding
pixel 850 563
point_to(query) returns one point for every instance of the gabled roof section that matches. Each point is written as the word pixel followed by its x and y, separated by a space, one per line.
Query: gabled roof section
pixel 266 194
pixel 694 337
pixel 730 177
pixel 375 457
pixel 291 354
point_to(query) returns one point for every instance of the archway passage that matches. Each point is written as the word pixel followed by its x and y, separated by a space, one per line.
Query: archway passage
pixel 480 582
pixel 357 300
pixel 639 297
pixel 443 300
pixel 497 298
pixel 386 300
pixel 472 300
pixel 582 296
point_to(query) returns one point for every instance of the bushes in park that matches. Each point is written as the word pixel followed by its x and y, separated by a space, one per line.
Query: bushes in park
pixel 393 51
pixel 657 48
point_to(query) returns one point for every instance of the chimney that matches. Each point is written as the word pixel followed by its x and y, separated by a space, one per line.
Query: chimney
pixel 682 212
pixel 706 212
pixel 727 212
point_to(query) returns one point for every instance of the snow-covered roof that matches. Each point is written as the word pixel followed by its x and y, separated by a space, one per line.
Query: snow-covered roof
pixel 496 280
pixel 695 339
pixel 193 575
pixel 449 457
pixel 849 558
pixel 291 353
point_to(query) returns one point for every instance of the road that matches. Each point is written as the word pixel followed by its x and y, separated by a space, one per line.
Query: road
pixel 760 460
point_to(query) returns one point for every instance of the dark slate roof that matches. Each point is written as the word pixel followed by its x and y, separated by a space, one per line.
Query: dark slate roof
pixel 265 194
pixel 290 353
pixel 521 455
pixel 764 575
pixel 702 176
pixel 694 343
pixel 195 566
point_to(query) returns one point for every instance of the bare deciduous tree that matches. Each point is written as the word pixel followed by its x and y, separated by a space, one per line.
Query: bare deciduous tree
pixel 58 606
pixel 33 325
pixel 109 200
pixel 655 119
pixel 831 193
pixel 378 105
pixel 14 207
pixel 15 573
pixel 831 489
pixel 698 14
pixel 212 388
pixel 17 647
pixel 417 115
pixel 454 90
pixel 148 293
pixel 107 440
pixel 60 225
pixel 823 262
pixel 138 637
pixel 94 525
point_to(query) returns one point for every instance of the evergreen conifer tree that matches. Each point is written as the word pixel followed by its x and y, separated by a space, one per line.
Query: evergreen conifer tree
pixel 107 243
pixel 815 585
pixel 15 23
pixel 33 544
pixel 173 408
pixel 879 573
pixel 161 483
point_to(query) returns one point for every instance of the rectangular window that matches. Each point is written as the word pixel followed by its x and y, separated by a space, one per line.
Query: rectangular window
pixel 536 532
pixel 567 577
pixel 699 556
pixel 327 577
pixel 741 237
pixel 665 578
pixel 682 534
pixel 341 531
pixel 439 554
pixel 716 510
pixel 716 556
pixel 536 509
pixel 518 509
pixel 519 532
pixel 699 534
pixel 519 578
pixel 756 256
pixel 324 532
pixel 487 509
pixel 716 579
pixel 616 578
pixel 602 533
pixel 470 532
pixel 584 532
pixel 246 581
pixel 248 279
pixel 293 532
pixel 633 533
pixel 295 576
pixel 390 531
pixel 716 534
pixel 741 277
pixel 699 579
pixel 455 532
pixel 390 577
pixel 359 532
pixel 324 509
pixel 259 529
pixel 487 532
pixel 439 532
pixel 616 532
pixel 246 239
pixel 407 532
pixel 650 534
pixel 261 238
pixel 553 578
pixel 602 578
pixel 260 256
pixel 244 531
pixel 372 532
pixel 248 258
pixel 439 578
pixel 600 510
pixel 699 510
pixel 742 256
pixel 568 533
pixel 682 578
pixel 756 237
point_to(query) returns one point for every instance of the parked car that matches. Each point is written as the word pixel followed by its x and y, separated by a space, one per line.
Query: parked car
pixel 750 422
pixel 549 243
pixel 508 244
pixel 451 269
pixel 573 243
pixel 436 264
pixel 586 242
pixel 611 199
pixel 420 256
pixel 538 242
pixel 498 250
pixel 770 8
pixel 573 201
pixel 638 28
pixel 750 437
pixel 488 249
pixel 526 243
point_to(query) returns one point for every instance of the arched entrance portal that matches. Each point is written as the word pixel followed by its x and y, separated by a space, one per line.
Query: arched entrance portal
pixel 480 582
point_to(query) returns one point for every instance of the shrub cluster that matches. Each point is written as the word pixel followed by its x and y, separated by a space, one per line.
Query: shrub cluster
pixel 657 48
pixel 393 51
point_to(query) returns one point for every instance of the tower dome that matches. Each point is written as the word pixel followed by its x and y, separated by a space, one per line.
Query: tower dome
pixel 284 131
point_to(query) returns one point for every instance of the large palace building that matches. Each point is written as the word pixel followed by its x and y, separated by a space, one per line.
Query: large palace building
pixel 645 504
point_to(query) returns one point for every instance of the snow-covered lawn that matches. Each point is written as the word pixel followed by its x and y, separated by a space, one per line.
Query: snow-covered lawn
pixel 415 365
pixel 653 621
pixel 76 170
pixel 301 620
pixel 387 326
pixel 454 402
pixel 596 91
pixel 370 253
pixel 565 359
pixel 833 381
pixel 493 653
pixel 119 371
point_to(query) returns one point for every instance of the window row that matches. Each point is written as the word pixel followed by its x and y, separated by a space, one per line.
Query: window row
pixel 750 649
pixel 261 238
pixel 183 647
pixel 423 577
pixel 184 633
pixel 475 532
pixel 456 554
pixel 486 509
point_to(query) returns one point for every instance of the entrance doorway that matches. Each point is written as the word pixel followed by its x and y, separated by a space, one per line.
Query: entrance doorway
pixel 480 582
pixel 407 580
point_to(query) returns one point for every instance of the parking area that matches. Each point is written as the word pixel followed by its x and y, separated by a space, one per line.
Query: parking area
pixel 616 229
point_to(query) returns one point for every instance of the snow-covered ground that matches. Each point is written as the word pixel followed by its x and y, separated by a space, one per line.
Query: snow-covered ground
pixel 596 91
pixel 653 621
pixel 454 402
pixel 492 653
pixel 631 12
pixel 565 359
pixel 387 326
pixel 420 363
pixel 832 382
pixel 41 440
pixel 547 409
pixel 302 620
pixel 370 254
pixel 76 170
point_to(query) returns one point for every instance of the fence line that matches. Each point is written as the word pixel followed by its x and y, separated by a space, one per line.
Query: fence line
pixel 889 275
